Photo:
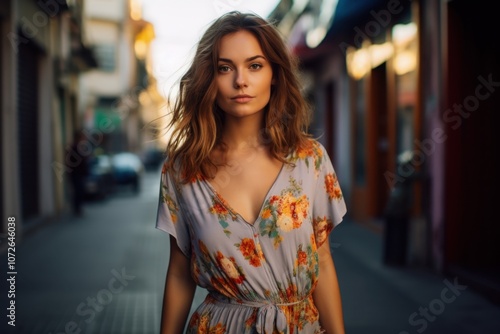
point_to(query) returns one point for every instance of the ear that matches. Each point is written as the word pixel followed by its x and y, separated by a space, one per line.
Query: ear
pixel 273 81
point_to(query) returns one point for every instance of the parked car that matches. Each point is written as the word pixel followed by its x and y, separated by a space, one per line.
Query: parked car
pixel 127 170
pixel 152 159
pixel 99 182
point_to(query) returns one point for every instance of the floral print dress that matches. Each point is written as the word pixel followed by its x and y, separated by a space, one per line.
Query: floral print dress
pixel 259 276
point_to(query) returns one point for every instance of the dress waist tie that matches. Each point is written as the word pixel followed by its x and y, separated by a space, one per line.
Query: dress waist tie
pixel 269 315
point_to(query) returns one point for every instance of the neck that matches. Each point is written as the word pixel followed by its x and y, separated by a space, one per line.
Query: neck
pixel 243 133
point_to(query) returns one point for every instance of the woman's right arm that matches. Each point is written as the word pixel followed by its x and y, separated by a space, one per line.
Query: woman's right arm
pixel 179 292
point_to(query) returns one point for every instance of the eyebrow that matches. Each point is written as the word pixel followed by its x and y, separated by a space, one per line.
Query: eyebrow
pixel 246 60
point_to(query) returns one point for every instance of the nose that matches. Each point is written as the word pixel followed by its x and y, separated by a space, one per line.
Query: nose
pixel 239 80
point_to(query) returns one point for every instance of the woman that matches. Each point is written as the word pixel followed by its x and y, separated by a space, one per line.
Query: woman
pixel 247 197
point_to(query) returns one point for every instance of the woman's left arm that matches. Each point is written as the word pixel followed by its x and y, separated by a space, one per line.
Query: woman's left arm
pixel 327 293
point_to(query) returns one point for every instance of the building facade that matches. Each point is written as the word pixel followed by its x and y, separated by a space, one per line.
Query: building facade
pixel 110 94
pixel 405 94
pixel 66 68
pixel 41 56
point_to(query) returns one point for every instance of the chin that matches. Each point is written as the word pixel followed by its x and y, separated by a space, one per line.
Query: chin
pixel 239 113
pixel 243 115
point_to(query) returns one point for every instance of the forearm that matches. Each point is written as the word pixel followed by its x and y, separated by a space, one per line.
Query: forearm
pixel 179 291
pixel 177 300
pixel 327 297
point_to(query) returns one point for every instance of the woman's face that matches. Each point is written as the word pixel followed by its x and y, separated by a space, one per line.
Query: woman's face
pixel 244 75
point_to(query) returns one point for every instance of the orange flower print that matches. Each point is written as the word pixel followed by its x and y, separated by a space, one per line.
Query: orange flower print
pixel 285 223
pixel 277 241
pixel 306 265
pixel 266 214
pixel 218 209
pixel 300 316
pixel 218 329
pixel 194 178
pixel 171 204
pixel 309 150
pixel 203 249
pixel 313 242
pixel 291 293
pixel 195 271
pixel 258 251
pixel 322 227
pixel 203 324
pixel 274 199
pixel 251 320
pixel 301 257
pixel 226 287
pixel 229 267
pixel 332 187
pixel 247 247
pixel 305 150
pixel 311 313
pixel 203 261
pixel 164 168
pixel 251 252
pixel 195 318
pixel 284 213
pixel 292 211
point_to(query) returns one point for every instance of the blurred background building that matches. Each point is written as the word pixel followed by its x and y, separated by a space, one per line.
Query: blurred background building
pixel 109 94
pixel 406 95
pixel 69 67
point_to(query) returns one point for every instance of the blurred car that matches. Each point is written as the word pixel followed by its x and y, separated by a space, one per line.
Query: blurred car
pixel 99 182
pixel 127 170
pixel 152 159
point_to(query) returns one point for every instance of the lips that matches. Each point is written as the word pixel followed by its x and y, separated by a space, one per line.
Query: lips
pixel 243 98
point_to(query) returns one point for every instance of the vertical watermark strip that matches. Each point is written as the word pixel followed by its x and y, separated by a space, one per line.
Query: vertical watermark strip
pixel 11 271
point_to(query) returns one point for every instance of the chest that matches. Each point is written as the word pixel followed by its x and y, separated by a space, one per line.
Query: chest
pixel 244 184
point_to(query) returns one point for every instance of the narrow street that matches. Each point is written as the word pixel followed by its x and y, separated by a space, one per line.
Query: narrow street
pixel 104 273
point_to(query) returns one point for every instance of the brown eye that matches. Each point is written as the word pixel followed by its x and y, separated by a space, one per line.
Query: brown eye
pixel 256 66
pixel 224 68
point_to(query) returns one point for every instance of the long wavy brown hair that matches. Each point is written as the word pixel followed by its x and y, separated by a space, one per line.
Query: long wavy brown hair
pixel 196 120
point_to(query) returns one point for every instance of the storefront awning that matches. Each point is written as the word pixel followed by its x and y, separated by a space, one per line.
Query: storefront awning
pixel 312 28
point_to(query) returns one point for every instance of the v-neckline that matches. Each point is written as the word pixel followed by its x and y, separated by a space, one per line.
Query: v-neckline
pixel 222 201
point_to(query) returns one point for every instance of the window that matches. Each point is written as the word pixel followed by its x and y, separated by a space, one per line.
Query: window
pixel 106 57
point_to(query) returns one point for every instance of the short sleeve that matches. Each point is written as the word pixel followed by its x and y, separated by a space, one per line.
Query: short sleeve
pixel 329 206
pixel 169 216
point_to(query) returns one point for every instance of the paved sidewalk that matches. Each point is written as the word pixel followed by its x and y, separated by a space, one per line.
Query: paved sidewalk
pixel 101 273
